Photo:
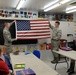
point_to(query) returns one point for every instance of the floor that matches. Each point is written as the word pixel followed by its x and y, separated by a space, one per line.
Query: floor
pixel 61 68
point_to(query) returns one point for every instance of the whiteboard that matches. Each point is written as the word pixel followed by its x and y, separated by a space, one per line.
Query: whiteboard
pixel 66 27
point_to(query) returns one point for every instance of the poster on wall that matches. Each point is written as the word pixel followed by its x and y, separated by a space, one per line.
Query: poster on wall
pixel 42 46
pixel 48 46
pixel 70 37
pixel 22 48
pixel 32 47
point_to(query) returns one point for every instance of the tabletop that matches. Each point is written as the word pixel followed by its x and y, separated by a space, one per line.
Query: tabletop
pixel 31 61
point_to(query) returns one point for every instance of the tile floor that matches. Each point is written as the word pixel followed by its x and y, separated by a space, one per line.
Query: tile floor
pixel 61 68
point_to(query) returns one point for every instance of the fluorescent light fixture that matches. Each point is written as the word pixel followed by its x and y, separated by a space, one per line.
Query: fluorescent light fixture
pixel 64 1
pixel 70 8
pixel 48 7
pixel 71 11
pixel 20 4
pixel 52 7
pixel 51 3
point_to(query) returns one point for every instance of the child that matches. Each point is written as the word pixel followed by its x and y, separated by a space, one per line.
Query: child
pixel 6 59
pixel 4 70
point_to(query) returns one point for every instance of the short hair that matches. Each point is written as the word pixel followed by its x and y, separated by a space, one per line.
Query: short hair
pixel 57 22
pixel 5 24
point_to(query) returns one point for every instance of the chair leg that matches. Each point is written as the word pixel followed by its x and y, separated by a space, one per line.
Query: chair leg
pixel 67 62
pixel 56 65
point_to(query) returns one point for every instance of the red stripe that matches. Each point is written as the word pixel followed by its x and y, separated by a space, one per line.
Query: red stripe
pixel 31 38
pixel 40 28
pixel 32 35
pixel 39 25
pixel 29 32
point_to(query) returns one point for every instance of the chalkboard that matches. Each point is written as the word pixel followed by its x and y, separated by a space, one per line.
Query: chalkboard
pixel 13 34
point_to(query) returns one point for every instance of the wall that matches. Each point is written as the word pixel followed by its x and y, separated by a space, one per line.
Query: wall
pixel 45 54
pixel 18 13
pixel 74 16
pixel 66 27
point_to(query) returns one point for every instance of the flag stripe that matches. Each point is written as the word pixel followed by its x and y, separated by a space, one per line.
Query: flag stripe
pixel 32 38
pixel 40 37
pixel 35 31
pixel 40 28
pixel 39 22
pixel 34 34
pixel 39 25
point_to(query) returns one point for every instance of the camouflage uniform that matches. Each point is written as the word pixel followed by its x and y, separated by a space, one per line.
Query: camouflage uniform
pixel 7 40
pixel 55 41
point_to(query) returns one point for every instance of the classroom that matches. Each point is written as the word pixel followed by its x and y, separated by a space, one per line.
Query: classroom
pixel 37 37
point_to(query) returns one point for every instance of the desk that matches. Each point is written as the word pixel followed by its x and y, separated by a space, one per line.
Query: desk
pixel 33 62
pixel 69 54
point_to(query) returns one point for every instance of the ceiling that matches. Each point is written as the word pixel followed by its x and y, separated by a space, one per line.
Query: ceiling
pixel 32 5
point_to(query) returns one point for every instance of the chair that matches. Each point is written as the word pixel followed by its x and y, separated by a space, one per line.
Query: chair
pixel 36 53
pixel 7 60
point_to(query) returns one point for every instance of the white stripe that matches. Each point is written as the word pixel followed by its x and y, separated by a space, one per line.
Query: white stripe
pixel 38 27
pixel 36 31
pixel 39 24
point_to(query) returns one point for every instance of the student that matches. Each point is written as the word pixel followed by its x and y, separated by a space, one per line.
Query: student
pixel 6 59
pixel 7 38
pixel 55 41
pixel 4 70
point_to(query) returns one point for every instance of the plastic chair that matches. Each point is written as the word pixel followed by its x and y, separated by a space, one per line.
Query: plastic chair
pixel 7 60
pixel 36 53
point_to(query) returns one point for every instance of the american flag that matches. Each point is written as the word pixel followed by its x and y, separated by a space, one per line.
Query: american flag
pixel 32 29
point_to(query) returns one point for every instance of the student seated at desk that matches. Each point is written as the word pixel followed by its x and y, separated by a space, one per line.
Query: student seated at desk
pixel 72 63
pixel 6 59
pixel 4 70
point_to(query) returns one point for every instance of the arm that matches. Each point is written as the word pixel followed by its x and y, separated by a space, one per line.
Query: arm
pixel 59 34
pixel 7 36
pixel 51 26
pixel 12 23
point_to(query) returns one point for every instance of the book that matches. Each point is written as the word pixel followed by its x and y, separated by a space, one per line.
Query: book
pixel 25 72
pixel 19 66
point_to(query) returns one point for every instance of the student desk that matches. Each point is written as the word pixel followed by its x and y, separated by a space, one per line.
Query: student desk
pixel 68 54
pixel 31 61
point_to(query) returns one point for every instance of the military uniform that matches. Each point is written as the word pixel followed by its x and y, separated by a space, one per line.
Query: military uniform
pixel 55 40
pixel 7 40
